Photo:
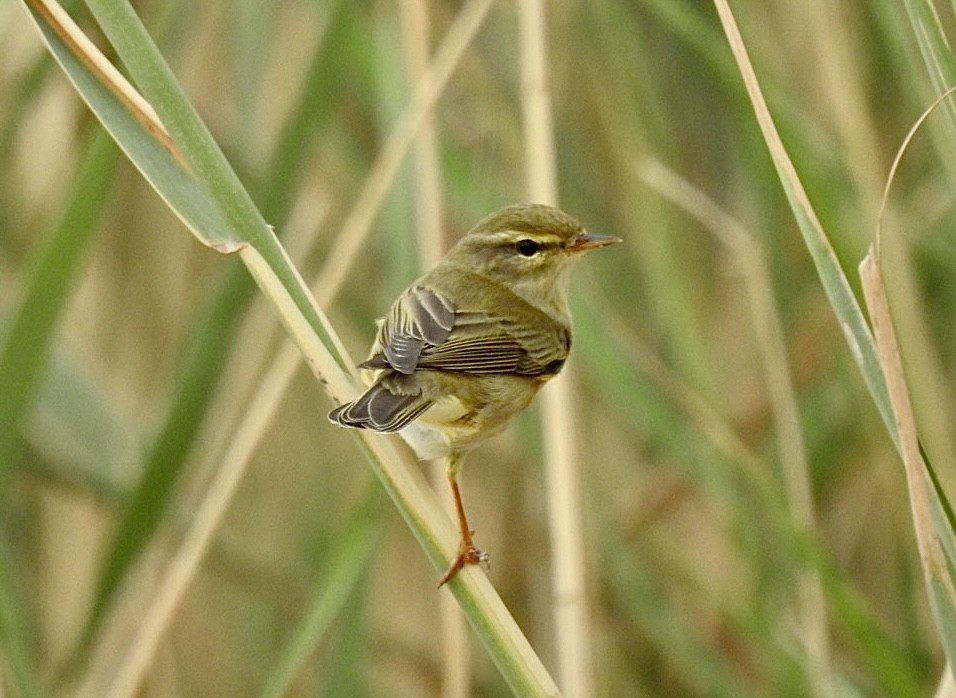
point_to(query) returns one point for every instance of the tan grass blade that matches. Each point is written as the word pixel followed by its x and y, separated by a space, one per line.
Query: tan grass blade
pixel 922 493
pixel 835 283
pixel 878 360
pixel 64 26
pixel 933 400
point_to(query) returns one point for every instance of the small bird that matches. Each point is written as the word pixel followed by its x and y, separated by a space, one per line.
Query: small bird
pixel 466 347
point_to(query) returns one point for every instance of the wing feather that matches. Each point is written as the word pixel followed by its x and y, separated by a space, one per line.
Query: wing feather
pixel 424 330
pixel 419 318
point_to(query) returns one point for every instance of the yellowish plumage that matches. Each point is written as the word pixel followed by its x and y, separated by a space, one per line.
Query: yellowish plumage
pixel 466 347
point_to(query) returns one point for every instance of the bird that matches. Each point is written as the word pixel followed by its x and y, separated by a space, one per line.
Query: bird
pixel 466 347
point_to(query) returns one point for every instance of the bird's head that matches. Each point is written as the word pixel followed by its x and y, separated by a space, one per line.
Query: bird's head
pixel 531 249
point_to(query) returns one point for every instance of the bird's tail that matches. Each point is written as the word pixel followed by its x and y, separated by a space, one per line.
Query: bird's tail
pixel 380 409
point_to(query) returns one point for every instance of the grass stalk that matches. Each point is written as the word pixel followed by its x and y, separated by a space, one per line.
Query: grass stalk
pixel 933 401
pixel 562 450
pixel 935 561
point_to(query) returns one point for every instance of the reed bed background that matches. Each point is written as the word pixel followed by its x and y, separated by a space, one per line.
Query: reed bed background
pixel 746 525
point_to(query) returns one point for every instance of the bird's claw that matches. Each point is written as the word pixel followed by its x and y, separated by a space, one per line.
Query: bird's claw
pixel 467 555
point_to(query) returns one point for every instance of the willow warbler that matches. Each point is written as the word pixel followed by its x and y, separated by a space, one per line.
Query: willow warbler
pixel 466 347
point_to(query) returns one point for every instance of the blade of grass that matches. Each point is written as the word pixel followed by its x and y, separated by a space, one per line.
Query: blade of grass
pixel 562 450
pixel 834 280
pixel 130 120
pixel 937 55
pixel 211 172
pixel 929 386
pixel 930 521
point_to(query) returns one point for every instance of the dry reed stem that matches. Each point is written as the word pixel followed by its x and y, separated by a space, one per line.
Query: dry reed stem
pixel 60 21
pixel 771 348
pixel 456 664
pixel 572 631
pixel 932 557
pixel 838 65
pixel 933 399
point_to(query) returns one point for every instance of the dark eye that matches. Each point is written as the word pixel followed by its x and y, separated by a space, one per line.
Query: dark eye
pixel 528 248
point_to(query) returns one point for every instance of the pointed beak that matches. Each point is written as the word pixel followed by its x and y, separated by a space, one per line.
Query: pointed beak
pixel 588 241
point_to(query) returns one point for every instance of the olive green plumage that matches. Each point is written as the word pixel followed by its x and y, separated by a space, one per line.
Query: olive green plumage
pixel 466 347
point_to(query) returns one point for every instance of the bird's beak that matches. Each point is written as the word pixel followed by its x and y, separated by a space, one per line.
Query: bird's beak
pixel 588 241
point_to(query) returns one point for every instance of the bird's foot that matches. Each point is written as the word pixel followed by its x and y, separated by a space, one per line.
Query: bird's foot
pixel 468 554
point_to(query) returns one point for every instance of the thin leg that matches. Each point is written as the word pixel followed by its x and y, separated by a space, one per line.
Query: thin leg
pixel 468 554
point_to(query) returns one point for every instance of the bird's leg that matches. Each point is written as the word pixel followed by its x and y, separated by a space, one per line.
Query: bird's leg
pixel 468 554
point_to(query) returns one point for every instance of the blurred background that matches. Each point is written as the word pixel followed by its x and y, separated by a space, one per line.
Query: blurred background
pixel 738 488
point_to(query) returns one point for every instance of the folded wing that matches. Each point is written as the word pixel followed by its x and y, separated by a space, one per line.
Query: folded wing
pixel 425 330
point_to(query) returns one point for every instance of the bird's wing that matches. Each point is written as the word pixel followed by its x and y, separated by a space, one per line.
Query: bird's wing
pixel 486 343
pixel 420 318
pixel 425 330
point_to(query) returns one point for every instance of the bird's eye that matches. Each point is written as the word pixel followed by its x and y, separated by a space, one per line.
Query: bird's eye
pixel 528 248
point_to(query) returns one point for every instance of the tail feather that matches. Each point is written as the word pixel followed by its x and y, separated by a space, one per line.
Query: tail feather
pixel 379 409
